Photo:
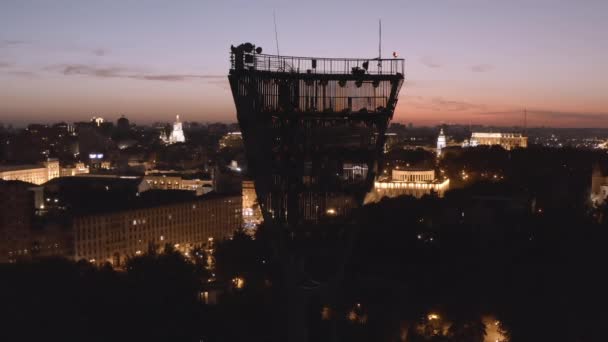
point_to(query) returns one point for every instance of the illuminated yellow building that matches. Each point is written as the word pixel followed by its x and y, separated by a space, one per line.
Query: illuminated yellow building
pixel 113 237
pixel 36 174
pixel 178 182
pixel 78 169
pixel 508 141
pixel 252 214
pixel 413 175
pixel 415 182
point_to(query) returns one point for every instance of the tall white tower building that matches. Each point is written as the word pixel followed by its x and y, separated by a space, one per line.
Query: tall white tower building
pixel 440 142
pixel 177 135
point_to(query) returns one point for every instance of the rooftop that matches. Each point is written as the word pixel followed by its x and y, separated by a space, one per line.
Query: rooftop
pixel 16 183
pixel 247 56
pixel 90 195
pixel 4 168
pixel 189 176
pixel 495 135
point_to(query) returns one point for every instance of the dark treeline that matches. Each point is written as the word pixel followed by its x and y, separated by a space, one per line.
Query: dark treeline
pixel 538 274
pixel 557 175
pixel 156 299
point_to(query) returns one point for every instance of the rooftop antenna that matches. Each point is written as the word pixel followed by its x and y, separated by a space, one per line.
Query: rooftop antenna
pixel 380 45
pixel 379 39
pixel 276 34
pixel 525 121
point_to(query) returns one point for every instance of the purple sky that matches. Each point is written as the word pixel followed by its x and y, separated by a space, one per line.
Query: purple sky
pixel 467 61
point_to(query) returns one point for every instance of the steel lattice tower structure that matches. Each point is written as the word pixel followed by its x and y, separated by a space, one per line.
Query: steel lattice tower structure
pixel 314 130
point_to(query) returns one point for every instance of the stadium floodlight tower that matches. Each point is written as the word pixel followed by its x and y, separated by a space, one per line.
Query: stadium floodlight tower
pixel 314 130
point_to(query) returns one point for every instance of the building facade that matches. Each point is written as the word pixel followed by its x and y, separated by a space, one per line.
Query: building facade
pixel 441 142
pixel 231 140
pixel 391 139
pixel 178 182
pixel 16 214
pixel 116 236
pixel 252 215
pixel 108 219
pixel 413 175
pixel 177 134
pixel 599 187
pixel 508 141
pixel 36 174
pixel 74 170
pixel 415 182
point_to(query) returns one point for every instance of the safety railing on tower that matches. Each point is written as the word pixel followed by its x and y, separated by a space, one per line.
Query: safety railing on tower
pixel 313 65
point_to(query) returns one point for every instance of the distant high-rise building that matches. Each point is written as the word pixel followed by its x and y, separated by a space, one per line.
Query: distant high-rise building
pixel 123 124
pixel 441 142
pixel 177 134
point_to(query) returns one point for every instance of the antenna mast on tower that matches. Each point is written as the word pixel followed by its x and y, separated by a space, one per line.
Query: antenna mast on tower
pixel 525 121
pixel 276 34
pixel 379 39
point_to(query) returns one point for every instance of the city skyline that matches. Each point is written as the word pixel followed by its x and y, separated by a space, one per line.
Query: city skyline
pixel 466 62
pixel 391 170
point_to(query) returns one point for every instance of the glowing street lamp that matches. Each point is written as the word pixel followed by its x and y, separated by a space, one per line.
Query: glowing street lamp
pixel 238 283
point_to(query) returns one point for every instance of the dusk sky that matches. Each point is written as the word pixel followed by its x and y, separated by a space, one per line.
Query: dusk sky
pixel 467 61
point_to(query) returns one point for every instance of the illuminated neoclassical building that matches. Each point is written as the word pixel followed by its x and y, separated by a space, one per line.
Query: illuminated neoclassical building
pixel 410 181
pixel 36 174
pixel 74 170
pixel 508 141
pixel 177 181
